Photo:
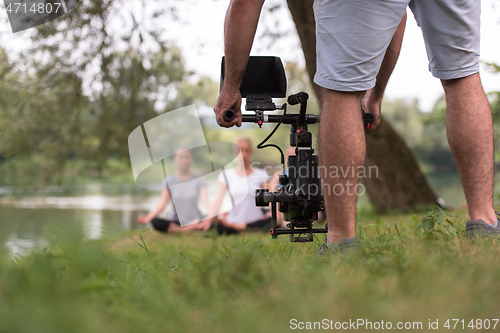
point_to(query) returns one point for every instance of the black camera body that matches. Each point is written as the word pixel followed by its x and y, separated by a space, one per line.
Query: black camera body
pixel 299 197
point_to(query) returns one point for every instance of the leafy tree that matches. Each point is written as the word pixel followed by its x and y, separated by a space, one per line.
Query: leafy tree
pixel 424 133
pixel 433 148
pixel 39 120
pixel 494 99
pixel 405 117
pixel 86 82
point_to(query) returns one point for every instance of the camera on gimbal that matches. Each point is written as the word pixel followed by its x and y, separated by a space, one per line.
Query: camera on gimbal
pixel 299 196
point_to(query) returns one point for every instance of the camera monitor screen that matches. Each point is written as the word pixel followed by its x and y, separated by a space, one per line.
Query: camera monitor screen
pixel 263 76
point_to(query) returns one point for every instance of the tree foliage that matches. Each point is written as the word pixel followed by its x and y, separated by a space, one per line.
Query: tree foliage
pixel 424 133
pixel 87 80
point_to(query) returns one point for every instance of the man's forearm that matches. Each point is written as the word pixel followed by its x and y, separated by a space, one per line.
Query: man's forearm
pixel 390 59
pixel 239 31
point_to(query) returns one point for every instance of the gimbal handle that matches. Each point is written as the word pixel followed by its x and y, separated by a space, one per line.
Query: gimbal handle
pixel 270 118
pixel 229 115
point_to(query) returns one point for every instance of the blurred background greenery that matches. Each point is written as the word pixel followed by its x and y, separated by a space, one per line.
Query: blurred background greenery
pixel 68 202
pixel 67 108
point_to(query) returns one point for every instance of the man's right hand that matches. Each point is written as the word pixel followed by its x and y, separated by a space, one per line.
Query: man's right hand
pixel 372 104
pixel 228 99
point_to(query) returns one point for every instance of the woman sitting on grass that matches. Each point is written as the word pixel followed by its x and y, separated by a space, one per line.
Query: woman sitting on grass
pixel 186 198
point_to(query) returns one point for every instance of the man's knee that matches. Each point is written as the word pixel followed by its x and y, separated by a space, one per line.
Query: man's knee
pixel 329 94
pixel 470 80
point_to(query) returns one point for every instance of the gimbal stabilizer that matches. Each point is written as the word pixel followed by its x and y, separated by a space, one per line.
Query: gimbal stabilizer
pixel 299 196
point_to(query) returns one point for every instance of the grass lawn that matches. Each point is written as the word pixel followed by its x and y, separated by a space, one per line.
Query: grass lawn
pixel 251 283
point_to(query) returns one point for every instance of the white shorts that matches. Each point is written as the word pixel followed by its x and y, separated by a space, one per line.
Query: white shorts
pixel 352 37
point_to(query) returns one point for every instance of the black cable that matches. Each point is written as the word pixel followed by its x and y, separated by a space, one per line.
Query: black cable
pixel 260 145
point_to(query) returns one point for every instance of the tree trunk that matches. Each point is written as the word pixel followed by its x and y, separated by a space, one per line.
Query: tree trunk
pixel 399 183
pixel 303 17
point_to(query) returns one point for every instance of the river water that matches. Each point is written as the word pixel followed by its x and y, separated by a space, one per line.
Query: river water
pixel 34 219
pixel 60 214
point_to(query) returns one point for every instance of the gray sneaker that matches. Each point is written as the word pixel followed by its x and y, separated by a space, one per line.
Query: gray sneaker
pixel 479 228
pixel 345 246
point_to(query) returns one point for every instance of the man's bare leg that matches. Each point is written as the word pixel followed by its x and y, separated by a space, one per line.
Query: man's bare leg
pixel 341 145
pixel 469 128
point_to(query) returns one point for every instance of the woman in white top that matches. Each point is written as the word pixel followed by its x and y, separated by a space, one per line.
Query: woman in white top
pixel 243 181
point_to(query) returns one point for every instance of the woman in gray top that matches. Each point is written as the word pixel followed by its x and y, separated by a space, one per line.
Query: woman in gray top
pixel 185 188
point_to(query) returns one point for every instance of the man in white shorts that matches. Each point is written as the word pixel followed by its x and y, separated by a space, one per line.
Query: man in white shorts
pixel 352 38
